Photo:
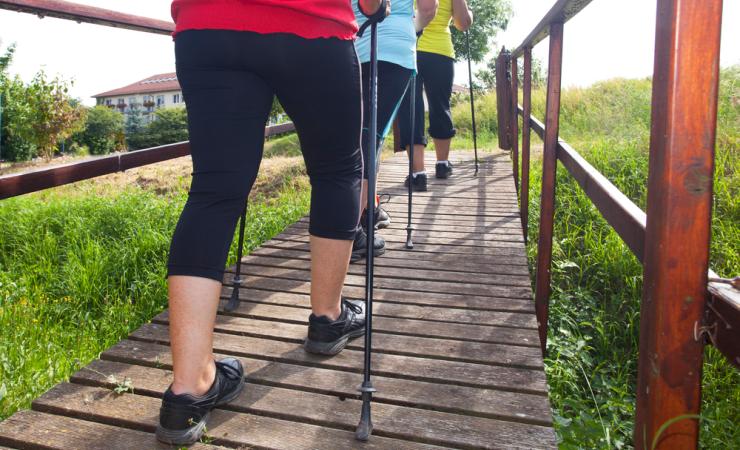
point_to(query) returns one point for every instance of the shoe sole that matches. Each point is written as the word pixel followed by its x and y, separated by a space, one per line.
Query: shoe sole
pixel 193 434
pixel 331 348
pixel 360 254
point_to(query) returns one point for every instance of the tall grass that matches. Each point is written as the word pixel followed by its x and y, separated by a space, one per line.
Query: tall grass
pixel 593 334
pixel 80 268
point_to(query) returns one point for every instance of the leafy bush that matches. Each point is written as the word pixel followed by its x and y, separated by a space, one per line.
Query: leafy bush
pixel 169 125
pixel 103 130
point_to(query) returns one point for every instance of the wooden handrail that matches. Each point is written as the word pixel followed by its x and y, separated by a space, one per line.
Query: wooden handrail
pixel 561 12
pixel 89 14
pixel 23 183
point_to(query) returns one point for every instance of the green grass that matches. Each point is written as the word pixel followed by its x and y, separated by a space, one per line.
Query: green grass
pixel 594 311
pixel 80 268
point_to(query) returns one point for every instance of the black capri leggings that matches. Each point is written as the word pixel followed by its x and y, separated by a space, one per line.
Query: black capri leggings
pixel 393 80
pixel 228 79
pixel 436 73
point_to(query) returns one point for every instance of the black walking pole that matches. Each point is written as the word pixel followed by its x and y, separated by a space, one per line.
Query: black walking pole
pixel 237 282
pixel 472 102
pixel 412 102
pixel 365 427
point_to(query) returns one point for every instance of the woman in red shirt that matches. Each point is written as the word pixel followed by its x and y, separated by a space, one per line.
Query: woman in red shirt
pixel 233 57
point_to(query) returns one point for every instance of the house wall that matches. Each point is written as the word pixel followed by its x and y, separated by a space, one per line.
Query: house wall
pixel 165 99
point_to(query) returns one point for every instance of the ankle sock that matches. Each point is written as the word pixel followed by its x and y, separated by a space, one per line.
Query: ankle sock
pixel 445 162
pixel 423 172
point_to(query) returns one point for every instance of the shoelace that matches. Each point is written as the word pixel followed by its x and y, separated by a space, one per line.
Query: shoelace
pixel 357 309
pixel 381 196
pixel 228 371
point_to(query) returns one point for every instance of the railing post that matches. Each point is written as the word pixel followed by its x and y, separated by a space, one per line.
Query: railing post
pixel 515 120
pixel 679 206
pixel 527 110
pixel 549 167
pixel 503 102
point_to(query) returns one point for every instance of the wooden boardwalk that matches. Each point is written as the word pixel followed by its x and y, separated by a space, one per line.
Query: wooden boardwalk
pixel 456 353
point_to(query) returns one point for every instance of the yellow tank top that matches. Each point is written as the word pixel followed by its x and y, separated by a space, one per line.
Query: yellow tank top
pixel 437 37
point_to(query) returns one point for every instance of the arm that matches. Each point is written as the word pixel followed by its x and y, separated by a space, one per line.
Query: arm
pixel 425 12
pixel 461 15
pixel 370 7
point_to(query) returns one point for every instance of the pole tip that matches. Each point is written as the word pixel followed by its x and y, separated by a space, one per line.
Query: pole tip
pixel 233 300
pixel 365 427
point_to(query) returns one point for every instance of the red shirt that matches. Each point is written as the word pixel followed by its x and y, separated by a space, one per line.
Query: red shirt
pixel 310 19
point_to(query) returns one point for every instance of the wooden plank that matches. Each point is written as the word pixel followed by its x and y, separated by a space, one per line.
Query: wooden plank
pixel 495 256
pixel 416 346
pixel 483 326
pixel 498 290
pixel 37 430
pixel 512 379
pixel 449 249
pixel 525 408
pixel 225 427
pixel 403 269
pixel 268 266
pixel 401 422
pixel 408 297
pixel 392 260
pixel 465 238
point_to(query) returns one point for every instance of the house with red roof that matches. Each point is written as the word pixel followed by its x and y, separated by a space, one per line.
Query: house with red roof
pixel 149 94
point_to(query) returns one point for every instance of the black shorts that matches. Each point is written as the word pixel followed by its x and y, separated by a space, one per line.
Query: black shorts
pixel 435 75
pixel 228 79
pixel 393 80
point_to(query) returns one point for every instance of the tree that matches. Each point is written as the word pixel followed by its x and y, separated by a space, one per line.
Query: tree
pixel 489 16
pixel 102 131
pixel 54 115
pixel 487 75
pixel 170 125
pixel 135 120
pixel 7 59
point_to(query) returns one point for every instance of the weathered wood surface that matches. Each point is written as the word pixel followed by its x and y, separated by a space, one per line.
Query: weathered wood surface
pixel 456 358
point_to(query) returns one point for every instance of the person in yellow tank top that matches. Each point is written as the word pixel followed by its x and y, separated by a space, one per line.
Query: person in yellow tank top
pixel 436 70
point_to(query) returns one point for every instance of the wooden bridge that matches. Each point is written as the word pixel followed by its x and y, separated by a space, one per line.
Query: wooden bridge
pixel 457 361
pixel 458 340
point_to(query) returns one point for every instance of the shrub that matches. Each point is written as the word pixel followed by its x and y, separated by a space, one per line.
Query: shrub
pixel 102 130
pixel 170 125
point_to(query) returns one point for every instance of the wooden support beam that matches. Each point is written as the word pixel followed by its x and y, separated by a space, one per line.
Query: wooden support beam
pixel 679 207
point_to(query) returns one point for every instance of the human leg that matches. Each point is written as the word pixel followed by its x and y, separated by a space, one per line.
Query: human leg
pixel 227 109
pixel 320 91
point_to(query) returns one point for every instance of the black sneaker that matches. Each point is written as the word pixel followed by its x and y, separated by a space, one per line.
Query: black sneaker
pixel 420 182
pixel 443 170
pixel 182 418
pixel 359 247
pixel 382 219
pixel 329 338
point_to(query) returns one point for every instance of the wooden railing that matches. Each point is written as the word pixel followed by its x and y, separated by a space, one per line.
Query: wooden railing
pixel 681 310
pixel 24 183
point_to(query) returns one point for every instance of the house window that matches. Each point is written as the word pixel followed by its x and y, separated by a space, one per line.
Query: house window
pixel 108 102
pixel 176 98
pixel 160 101
pixel 149 103
pixel 131 102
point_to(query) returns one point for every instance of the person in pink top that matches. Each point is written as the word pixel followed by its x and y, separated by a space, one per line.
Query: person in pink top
pixel 233 57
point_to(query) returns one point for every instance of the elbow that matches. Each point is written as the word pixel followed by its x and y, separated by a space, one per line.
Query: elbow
pixel 464 23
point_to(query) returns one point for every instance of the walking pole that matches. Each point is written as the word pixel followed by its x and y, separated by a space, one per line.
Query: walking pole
pixel 237 282
pixel 365 427
pixel 472 102
pixel 412 102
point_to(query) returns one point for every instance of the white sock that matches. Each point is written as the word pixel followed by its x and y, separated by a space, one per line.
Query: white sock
pixel 445 162
pixel 420 173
